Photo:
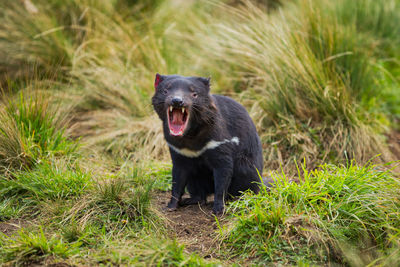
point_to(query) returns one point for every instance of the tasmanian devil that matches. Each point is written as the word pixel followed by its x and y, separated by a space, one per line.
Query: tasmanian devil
pixel 213 142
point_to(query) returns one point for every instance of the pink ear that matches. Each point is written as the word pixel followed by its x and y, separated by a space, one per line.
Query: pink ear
pixel 157 81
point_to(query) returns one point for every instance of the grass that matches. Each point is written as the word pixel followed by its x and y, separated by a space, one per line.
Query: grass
pixel 318 219
pixel 48 181
pixel 82 155
pixel 308 73
pixel 313 87
pixel 115 203
pixel 30 130
pixel 29 247
pixel 38 38
pixel 152 252
pixel 9 209
pixel 310 88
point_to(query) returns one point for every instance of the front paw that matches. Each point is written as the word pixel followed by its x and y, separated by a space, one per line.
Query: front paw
pixel 218 209
pixel 172 205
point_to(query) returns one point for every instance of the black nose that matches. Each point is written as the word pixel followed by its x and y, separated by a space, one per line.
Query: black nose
pixel 177 102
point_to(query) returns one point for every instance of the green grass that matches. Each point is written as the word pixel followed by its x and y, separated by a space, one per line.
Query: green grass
pixel 35 247
pixel 31 247
pixel 319 218
pixel 309 76
pixel 31 130
pixel 151 251
pixel 47 182
pixel 9 209
pixel 49 188
pixel 156 173
pixel 115 203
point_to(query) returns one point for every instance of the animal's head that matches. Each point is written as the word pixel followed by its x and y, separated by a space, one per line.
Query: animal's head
pixel 183 103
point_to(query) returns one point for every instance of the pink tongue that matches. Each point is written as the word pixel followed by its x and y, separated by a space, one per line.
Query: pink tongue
pixel 177 117
pixel 177 121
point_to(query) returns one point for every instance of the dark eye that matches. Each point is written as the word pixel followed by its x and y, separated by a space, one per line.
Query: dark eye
pixel 165 91
pixel 194 95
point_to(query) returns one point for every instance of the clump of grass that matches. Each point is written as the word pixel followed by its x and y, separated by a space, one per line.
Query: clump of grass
pixel 158 174
pixel 308 71
pixel 161 175
pixel 30 131
pixel 115 203
pixel 39 37
pixel 170 253
pixel 33 247
pixel 150 250
pixel 49 189
pixel 308 75
pixel 88 235
pixel 129 137
pixel 116 75
pixel 10 208
pixel 48 181
pixel 329 209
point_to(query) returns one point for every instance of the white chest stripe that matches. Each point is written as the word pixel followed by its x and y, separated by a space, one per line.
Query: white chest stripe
pixel 210 145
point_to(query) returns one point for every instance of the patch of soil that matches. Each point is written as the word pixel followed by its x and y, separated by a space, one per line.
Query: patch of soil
pixel 11 226
pixel 194 226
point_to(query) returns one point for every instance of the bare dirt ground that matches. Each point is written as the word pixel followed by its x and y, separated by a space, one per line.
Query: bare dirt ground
pixel 194 226
pixel 11 226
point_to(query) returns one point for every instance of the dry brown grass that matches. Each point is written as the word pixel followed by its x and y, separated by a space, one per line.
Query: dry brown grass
pixel 301 71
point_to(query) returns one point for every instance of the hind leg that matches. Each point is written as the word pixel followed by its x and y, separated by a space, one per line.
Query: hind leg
pixel 245 176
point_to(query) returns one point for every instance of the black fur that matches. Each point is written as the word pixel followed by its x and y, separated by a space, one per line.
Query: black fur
pixel 223 171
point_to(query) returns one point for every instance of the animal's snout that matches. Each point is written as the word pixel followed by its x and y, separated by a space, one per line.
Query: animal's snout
pixel 177 101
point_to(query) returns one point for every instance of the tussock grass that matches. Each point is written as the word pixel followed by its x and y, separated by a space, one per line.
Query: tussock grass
pixel 89 219
pixel 117 76
pixel 96 247
pixel 329 211
pixel 309 73
pixel 48 189
pixel 38 38
pixel 150 251
pixel 31 129
pixel 33 247
pixel 114 203
pixel 9 208
pixel 48 181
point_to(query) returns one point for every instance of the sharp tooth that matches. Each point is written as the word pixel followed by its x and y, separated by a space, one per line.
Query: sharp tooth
pixel 183 110
pixel 170 108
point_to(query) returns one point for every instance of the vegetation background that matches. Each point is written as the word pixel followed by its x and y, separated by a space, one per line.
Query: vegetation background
pixel 83 164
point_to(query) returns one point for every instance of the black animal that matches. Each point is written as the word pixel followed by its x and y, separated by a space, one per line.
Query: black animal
pixel 213 142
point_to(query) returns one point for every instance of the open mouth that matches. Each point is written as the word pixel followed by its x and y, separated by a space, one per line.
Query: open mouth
pixel 177 120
